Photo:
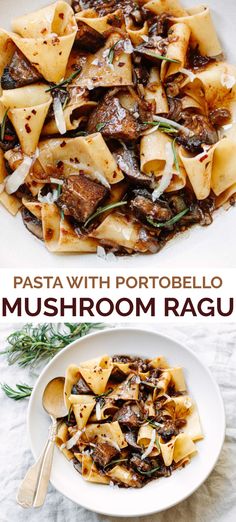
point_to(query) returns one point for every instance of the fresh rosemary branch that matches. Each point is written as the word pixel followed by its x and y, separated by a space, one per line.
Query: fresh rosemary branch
pixel 33 344
pixel 21 391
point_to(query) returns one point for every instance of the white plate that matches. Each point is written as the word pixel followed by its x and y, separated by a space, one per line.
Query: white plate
pixel 202 247
pixel 159 494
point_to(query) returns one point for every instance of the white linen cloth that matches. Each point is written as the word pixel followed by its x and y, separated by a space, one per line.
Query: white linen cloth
pixel 214 501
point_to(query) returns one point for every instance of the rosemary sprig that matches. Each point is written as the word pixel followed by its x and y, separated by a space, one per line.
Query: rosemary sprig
pixel 3 126
pixel 33 344
pixel 102 395
pixel 100 210
pixel 162 127
pixel 111 53
pixel 148 472
pixel 20 392
pixel 100 126
pixel 117 461
pixel 65 82
pixel 176 161
pixel 155 55
pixel 171 221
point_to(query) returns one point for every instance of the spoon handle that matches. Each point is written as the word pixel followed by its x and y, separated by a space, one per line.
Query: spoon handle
pixel 32 482
pixel 46 467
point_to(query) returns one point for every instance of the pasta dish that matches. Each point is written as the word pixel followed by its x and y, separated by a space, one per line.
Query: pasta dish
pixel 130 420
pixel 117 123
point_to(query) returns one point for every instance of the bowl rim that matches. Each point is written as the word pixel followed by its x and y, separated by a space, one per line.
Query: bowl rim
pixel 118 330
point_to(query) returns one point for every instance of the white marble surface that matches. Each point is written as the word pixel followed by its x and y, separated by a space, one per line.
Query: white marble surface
pixel 214 501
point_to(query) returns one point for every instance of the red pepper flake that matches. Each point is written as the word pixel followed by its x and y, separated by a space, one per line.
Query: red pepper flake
pixel 34 111
pixel 28 117
pixel 44 30
pixel 63 144
pixel 121 64
pixel 61 15
pixel 7 137
pixel 27 128
pixel 203 158
pixel 60 164
pixel 60 53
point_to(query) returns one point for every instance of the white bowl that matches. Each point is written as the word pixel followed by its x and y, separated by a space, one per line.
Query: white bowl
pixel 209 240
pixel 159 494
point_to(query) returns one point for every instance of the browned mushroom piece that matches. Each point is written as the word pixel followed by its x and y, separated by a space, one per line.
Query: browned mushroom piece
pixel 88 38
pixel 19 72
pixel 104 453
pixel 80 197
pixel 130 415
pixel 144 208
pixel 113 120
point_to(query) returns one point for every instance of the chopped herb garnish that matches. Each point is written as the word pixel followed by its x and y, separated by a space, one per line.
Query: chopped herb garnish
pixel 21 392
pixel 100 126
pixel 155 55
pixel 176 161
pixel 65 82
pixel 100 210
pixel 62 215
pixel 111 53
pixel 59 189
pixel 148 472
pixel 3 126
pixel 115 462
pixel 171 221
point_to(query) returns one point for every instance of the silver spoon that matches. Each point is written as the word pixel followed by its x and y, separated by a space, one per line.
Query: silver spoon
pixel 33 488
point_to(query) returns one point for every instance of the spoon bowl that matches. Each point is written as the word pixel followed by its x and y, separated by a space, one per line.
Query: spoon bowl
pixel 53 398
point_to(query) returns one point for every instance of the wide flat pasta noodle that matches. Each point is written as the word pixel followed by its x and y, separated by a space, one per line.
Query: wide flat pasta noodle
pixel 115 228
pixel 172 7
pixel 127 390
pixel 82 406
pixel 90 471
pixel 107 432
pixel 99 72
pixel 101 23
pixel 154 91
pixel 178 35
pixel 11 203
pixel 27 109
pixel 46 38
pixel 59 235
pixel 203 33
pixel 153 158
pixel 7 49
pixel 61 438
pixel 89 154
